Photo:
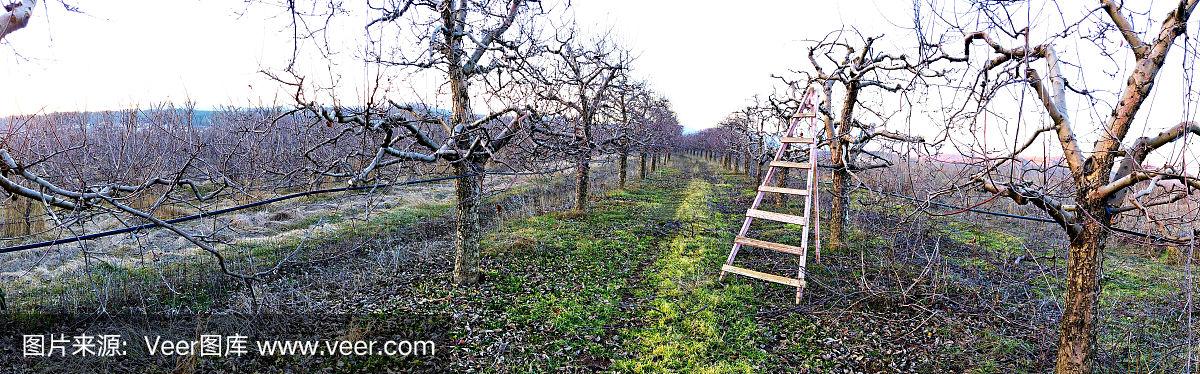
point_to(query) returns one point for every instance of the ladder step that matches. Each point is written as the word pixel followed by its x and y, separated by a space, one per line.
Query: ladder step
pixel 806 115
pixel 790 191
pixel 778 217
pixel 764 276
pixel 769 245
pixel 790 139
pixel 789 164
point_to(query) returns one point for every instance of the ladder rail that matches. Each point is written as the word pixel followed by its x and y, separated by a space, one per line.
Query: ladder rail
pixel 808 208
pixel 808 95
pixel 806 111
pixel 814 193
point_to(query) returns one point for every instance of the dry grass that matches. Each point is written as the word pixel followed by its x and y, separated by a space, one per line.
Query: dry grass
pixel 164 211
pixel 21 218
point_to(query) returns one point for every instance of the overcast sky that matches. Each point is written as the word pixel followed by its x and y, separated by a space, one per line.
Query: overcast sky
pixel 709 58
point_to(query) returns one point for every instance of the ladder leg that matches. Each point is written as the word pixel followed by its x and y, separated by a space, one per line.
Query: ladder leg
pixel 800 288
pixel 736 246
pixel 816 216
pixel 809 205
pixel 729 261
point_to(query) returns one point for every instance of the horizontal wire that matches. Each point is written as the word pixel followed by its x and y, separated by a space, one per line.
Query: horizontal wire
pixel 102 234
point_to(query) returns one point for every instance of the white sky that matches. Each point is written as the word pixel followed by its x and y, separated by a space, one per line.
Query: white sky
pixel 708 57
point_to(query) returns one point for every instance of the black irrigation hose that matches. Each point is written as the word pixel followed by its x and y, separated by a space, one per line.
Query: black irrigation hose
pixel 102 234
pixel 972 210
pixel 1027 218
pixel 233 209
pixel 1014 216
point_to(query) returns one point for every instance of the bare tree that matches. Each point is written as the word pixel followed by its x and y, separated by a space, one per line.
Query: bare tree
pixel 744 138
pixel 663 133
pixel 1100 182
pixel 127 165
pixel 707 142
pixel 16 16
pixel 466 40
pixel 778 110
pixel 634 107
pixel 850 61
pixel 578 75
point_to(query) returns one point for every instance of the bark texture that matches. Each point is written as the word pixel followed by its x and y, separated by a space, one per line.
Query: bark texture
pixel 622 167
pixel 642 168
pixel 582 173
pixel 1077 328
pixel 467 232
pixel 837 209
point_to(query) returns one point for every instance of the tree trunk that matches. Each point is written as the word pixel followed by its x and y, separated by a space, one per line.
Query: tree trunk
pixel 469 191
pixel 841 175
pixel 781 198
pixel 758 176
pixel 642 169
pixel 1076 333
pixel 622 164
pixel 653 161
pixel 837 209
pixel 746 164
pixel 581 181
pixel 469 187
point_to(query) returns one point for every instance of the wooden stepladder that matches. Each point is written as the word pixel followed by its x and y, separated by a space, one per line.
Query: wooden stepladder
pixel 811 218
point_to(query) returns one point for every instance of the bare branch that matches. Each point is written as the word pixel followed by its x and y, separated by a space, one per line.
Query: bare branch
pixel 15 16
pixel 1135 43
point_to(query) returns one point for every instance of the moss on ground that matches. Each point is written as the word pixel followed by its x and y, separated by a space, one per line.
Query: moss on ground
pixel 631 286
pixel 562 279
pixel 994 241
pixel 693 323
pixel 191 296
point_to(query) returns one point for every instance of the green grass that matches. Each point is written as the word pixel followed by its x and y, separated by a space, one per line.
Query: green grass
pixel 693 323
pixel 193 297
pixel 596 264
pixel 562 276
pixel 1129 279
pixel 991 240
pixel 332 218
pixel 995 349
pixel 103 273
pixel 345 229
pixel 632 283
pixel 1135 293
